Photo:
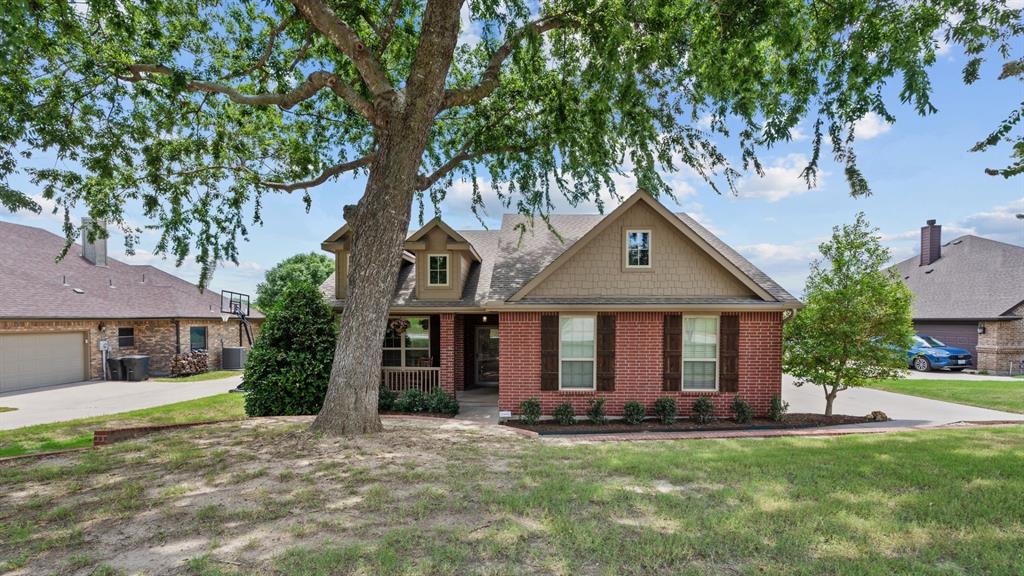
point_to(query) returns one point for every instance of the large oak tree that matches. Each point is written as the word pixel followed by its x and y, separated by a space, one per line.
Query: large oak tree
pixel 196 109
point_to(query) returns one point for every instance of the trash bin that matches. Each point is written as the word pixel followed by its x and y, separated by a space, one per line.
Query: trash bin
pixel 115 368
pixel 233 358
pixel 136 368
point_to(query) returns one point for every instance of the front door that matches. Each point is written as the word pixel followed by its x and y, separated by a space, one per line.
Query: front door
pixel 486 356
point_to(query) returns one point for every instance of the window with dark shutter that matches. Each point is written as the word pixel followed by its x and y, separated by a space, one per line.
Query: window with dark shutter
pixel 673 353
pixel 606 352
pixel 729 354
pixel 549 352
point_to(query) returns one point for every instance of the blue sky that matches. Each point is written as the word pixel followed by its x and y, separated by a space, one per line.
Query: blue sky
pixel 918 168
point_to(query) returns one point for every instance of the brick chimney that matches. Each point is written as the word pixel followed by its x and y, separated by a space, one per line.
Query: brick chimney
pixel 931 243
pixel 94 250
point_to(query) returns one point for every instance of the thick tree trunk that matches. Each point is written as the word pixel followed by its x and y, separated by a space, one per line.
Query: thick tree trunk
pixel 830 397
pixel 379 224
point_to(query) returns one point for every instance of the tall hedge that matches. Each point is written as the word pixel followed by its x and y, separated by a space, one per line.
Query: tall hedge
pixel 290 364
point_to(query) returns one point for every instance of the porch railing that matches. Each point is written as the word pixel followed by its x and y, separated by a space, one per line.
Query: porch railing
pixel 401 379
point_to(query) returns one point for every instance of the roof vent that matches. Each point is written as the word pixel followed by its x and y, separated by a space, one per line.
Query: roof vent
pixel 78 291
pixel 110 281
pixel 64 280
pixel 955 242
pixel 929 271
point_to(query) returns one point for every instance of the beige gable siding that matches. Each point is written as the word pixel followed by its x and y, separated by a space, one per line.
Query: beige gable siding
pixel 678 266
pixel 437 243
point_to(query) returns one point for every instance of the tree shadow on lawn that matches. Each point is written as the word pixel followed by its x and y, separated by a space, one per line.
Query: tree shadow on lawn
pixel 429 498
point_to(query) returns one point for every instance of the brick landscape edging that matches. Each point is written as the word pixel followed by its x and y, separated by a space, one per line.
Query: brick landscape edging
pixel 112 435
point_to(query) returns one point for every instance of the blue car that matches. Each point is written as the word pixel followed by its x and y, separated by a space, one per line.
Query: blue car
pixel 927 353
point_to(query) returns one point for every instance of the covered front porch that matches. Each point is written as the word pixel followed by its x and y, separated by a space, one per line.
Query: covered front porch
pixel 447 351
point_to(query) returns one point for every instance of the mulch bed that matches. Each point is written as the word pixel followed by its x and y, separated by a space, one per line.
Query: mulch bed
pixel 792 421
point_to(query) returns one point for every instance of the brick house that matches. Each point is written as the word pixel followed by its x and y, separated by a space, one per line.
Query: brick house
pixel 969 293
pixel 635 305
pixel 54 315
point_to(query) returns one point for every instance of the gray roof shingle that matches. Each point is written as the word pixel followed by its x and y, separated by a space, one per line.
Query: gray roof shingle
pixel 975 278
pixel 33 284
pixel 511 257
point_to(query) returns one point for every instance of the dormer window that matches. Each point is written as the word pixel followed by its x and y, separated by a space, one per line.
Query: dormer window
pixel 638 249
pixel 437 270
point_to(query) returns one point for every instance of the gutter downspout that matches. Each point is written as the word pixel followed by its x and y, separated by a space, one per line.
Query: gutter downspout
pixel 177 336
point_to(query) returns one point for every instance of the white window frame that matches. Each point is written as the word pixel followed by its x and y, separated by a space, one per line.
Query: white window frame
pixel 592 359
pixel 447 270
pixel 401 346
pixel 650 249
pixel 718 352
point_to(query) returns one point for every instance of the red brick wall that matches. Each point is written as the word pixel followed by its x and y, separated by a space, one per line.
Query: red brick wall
pixel 459 356
pixel 448 364
pixel 638 365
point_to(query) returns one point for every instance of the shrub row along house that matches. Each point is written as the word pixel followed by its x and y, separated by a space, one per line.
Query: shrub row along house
pixel 969 293
pixel 55 315
pixel 639 304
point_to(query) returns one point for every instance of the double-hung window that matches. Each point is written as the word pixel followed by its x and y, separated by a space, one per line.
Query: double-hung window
pixel 638 249
pixel 700 353
pixel 576 351
pixel 197 338
pixel 126 337
pixel 437 270
pixel 410 347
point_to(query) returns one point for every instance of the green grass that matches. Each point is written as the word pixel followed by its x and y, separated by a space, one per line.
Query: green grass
pixel 928 503
pixel 995 394
pixel 78 433
pixel 211 375
pixel 7 409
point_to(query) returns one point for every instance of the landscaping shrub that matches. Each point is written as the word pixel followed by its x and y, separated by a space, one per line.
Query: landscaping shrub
pixel 595 411
pixel 777 410
pixel 189 363
pixel 441 402
pixel 386 399
pixel 290 364
pixel 744 413
pixel 411 401
pixel 666 410
pixel 564 414
pixel 702 410
pixel 633 412
pixel 529 410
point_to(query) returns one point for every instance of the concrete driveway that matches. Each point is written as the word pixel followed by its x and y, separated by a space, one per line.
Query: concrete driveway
pixel 73 401
pixel 904 410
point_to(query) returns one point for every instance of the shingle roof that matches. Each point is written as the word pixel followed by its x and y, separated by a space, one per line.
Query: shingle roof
pixel 975 278
pixel 33 285
pixel 518 252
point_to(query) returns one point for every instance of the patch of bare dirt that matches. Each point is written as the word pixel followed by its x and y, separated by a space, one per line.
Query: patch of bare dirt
pixel 241 492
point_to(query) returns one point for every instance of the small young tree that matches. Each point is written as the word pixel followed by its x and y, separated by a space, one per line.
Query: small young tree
pixel 312 269
pixel 856 324
pixel 290 364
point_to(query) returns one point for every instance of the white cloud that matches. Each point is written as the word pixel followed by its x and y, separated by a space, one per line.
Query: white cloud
pixel 469 31
pixel 768 253
pixel 46 214
pixel 781 179
pixel 1000 223
pixel 870 126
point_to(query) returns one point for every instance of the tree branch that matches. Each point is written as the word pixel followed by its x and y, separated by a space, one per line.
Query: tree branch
pixel 315 82
pixel 268 49
pixel 463 155
pixel 324 176
pixel 345 39
pixel 389 27
pixel 490 80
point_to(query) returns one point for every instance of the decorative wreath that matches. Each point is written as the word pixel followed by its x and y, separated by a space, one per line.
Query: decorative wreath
pixel 399 325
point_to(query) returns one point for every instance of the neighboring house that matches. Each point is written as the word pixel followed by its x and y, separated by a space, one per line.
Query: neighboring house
pixel 969 293
pixel 636 305
pixel 53 315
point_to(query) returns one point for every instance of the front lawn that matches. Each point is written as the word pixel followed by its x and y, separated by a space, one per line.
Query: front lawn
pixel 441 497
pixel 994 394
pixel 211 375
pixel 78 433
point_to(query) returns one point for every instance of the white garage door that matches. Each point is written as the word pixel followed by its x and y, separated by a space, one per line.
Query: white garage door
pixel 37 360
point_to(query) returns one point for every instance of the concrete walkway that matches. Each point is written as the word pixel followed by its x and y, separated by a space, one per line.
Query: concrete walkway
pixel 82 400
pixel 904 410
pixel 479 405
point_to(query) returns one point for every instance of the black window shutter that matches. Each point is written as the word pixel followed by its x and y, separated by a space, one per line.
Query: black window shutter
pixel 729 353
pixel 673 353
pixel 606 352
pixel 549 352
